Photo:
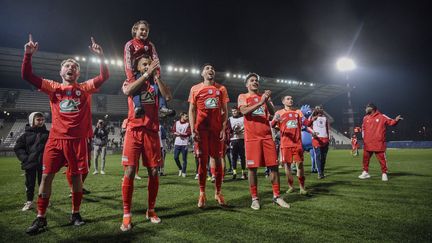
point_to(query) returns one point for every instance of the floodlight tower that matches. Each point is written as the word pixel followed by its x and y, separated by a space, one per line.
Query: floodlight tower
pixel 346 65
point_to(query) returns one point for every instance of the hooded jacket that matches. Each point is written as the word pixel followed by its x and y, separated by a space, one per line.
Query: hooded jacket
pixel 30 146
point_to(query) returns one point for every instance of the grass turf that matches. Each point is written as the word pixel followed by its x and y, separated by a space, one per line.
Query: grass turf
pixel 340 208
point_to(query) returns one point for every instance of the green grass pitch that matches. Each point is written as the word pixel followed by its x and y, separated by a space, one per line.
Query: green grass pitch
pixel 341 208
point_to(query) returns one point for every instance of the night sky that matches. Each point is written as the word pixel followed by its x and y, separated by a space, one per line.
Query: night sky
pixel 288 39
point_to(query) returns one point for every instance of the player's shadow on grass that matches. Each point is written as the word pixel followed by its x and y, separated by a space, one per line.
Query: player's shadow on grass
pixel 135 235
pixel 400 174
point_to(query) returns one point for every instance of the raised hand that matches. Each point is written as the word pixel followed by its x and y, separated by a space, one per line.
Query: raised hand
pixel 31 47
pixel 398 118
pixel 153 66
pixel 95 48
pixel 265 96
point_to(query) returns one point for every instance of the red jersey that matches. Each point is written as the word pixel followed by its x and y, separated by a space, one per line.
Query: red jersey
pixel 208 100
pixel 374 128
pixel 256 123
pixel 70 108
pixel 134 49
pixel 150 103
pixel 354 143
pixel 290 125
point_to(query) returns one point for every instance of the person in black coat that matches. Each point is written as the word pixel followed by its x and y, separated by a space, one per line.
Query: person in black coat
pixel 29 149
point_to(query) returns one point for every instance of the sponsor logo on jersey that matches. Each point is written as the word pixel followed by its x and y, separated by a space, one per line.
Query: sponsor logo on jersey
pixel 211 103
pixel 147 97
pixel 250 162
pixel 125 158
pixel 259 111
pixel 68 106
pixel 291 124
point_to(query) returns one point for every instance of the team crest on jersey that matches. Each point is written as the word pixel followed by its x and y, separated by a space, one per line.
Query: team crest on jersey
pixel 146 48
pixel 78 92
pixel 68 106
pixel 211 103
pixel 290 115
pixel 147 97
pixel 256 99
pixel 291 123
pixel 258 112
pixel 210 91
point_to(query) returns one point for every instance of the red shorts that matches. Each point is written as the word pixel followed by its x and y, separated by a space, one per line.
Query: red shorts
pixel 71 152
pixel 291 154
pixel 209 145
pixel 260 153
pixel 140 141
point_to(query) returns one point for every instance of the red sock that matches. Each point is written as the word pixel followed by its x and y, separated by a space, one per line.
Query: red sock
pixel 69 179
pixel 254 191
pixel 290 181
pixel 218 173
pixel 301 180
pixel 127 191
pixel 276 192
pixel 152 190
pixel 202 172
pixel 76 201
pixel 42 204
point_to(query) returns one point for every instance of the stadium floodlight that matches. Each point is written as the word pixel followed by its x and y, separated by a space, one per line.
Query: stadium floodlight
pixel 175 69
pixel 77 58
pixel 119 63
pixel 181 69
pixel 83 59
pixel 345 64
pixel 112 62
pixel 227 75
pixel 106 61
pixel 186 70
pixel 93 59
pixel 98 60
pixel 235 76
pixel 169 68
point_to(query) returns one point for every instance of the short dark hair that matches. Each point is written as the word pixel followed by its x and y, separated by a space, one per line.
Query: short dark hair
pixel 182 114
pixel 251 75
pixel 372 105
pixel 206 64
pixel 283 97
pixel 234 107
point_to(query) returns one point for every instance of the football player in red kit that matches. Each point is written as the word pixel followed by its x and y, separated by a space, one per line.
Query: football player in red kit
pixel 259 145
pixel 70 103
pixel 142 138
pixel 289 121
pixel 208 117
pixel 354 146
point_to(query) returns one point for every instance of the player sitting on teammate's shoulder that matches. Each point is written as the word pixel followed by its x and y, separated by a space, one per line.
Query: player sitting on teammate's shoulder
pixel 140 46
